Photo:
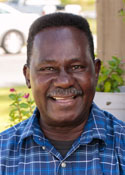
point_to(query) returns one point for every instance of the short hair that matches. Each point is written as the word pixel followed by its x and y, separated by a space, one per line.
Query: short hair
pixel 58 20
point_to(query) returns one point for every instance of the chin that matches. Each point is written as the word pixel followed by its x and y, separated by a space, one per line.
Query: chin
pixel 67 121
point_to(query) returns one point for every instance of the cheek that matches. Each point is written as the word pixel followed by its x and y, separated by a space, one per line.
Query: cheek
pixel 40 85
pixel 88 86
pixel 37 87
pixel 86 81
pixel 40 82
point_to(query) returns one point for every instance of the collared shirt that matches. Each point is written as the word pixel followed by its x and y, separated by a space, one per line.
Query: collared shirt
pixel 100 150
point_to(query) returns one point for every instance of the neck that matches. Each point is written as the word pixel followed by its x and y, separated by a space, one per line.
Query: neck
pixel 62 133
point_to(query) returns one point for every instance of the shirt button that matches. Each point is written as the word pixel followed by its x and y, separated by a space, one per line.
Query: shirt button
pixel 63 164
pixel 43 147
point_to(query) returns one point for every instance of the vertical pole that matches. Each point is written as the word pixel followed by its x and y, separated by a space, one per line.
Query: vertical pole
pixel 110 29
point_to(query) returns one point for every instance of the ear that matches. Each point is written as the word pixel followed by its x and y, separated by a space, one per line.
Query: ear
pixel 97 68
pixel 26 72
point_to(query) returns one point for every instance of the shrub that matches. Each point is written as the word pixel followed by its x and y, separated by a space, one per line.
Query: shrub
pixel 110 77
pixel 21 108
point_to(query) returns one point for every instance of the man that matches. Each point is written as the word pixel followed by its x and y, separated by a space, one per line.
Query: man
pixel 67 134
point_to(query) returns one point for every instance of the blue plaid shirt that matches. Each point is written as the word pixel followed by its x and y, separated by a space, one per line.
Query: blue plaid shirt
pixel 100 150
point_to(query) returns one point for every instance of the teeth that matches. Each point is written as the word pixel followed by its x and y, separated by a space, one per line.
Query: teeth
pixel 61 98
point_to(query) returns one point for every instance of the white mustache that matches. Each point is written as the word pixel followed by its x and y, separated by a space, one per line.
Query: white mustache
pixel 65 92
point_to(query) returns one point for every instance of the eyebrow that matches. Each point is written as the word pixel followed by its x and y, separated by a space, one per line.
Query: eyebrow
pixel 47 61
pixel 50 61
pixel 75 59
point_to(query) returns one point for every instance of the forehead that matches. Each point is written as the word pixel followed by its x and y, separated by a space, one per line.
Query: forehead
pixel 60 33
pixel 60 42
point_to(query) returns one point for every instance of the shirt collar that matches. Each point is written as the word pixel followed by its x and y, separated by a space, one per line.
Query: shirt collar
pixel 96 127
pixel 31 125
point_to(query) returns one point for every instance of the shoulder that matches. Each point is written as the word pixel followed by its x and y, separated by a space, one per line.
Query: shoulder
pixel 116 132
pixel 117 129
pixel 12 135
pixel 114 125
pixel 114 136
pixel 10 138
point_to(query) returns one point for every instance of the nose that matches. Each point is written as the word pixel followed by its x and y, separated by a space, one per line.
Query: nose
pixel 64 80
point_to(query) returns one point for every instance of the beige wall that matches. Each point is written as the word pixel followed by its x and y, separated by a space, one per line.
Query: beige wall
pixel 110 29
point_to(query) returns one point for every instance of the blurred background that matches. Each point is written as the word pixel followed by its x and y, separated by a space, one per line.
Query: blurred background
pixel 15 19
pixel 106 19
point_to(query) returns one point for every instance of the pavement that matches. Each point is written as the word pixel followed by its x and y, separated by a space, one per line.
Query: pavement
pixel 11 69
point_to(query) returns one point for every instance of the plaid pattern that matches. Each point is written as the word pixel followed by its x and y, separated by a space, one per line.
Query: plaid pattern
pixel 100 150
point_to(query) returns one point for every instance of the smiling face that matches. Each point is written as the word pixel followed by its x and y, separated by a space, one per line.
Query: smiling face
pixel 62 76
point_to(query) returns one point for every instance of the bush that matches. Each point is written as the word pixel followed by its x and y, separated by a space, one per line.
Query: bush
pixel 22 106
pixel 110 77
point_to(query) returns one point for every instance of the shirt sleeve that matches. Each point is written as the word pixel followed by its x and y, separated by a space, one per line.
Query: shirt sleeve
pixel 120 148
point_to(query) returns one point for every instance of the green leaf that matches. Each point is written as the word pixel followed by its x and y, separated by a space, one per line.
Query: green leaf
pixel 25 112
pixel 98 89
pixel 119 71
pixel 114 62
pixel 23 105
pixel 107 87
pixel 114 84
pixel 117 78
pixel 117 89
pixel 102 78
pixel 12 96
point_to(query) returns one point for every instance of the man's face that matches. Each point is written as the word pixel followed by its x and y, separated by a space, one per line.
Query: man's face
pixel 62 76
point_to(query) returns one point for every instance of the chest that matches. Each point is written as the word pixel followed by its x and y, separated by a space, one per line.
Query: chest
pixel 88 159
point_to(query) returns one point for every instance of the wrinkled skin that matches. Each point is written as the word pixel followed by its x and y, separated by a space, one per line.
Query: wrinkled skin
pixel 63 78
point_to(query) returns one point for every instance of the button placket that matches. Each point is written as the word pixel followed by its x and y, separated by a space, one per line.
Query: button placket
pixel 43 147
pixel 63 164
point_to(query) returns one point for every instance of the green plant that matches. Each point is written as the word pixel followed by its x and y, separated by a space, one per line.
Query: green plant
pixel 110 77
pixel 21 108
pixel 122 11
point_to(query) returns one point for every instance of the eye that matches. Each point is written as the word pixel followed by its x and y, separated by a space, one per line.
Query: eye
pixel 47 69
pixel 50 68
pixel 77 67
